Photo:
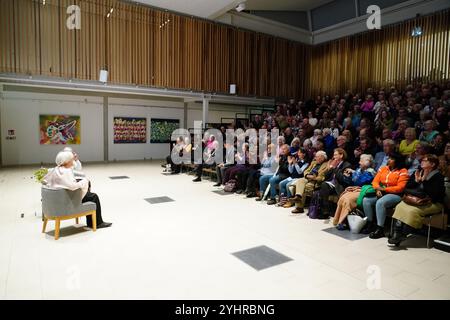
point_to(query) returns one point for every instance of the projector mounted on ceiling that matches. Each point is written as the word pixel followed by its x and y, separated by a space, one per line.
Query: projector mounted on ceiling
pixel 240 7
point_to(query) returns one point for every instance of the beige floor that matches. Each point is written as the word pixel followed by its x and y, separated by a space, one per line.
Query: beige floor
pixel 182 250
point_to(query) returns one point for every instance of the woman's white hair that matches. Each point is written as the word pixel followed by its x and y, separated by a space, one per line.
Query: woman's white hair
pixel 322 153
pixel 307 142
pixel 63 157
pixel 367 157
pixel 68 149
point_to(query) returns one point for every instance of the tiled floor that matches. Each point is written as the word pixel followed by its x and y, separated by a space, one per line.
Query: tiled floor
pixel 183 249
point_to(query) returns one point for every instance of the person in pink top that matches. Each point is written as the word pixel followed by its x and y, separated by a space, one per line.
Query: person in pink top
pixel 368 105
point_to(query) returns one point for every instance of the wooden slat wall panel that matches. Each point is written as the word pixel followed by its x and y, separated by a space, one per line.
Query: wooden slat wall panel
pixel 185 53
pixel 193 54
pixel 50 39
pixel 7 55
pixel 24 36
pixel 390 56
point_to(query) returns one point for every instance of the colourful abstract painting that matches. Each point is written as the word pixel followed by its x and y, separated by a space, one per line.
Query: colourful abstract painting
pixel 59 129
pixel 130 130
pixel 161 130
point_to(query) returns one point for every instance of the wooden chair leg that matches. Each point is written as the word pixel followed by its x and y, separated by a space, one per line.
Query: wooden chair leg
pixel 94 221
pixel 429 231
pixel 44 225
pixel 57 226
pixel 77 220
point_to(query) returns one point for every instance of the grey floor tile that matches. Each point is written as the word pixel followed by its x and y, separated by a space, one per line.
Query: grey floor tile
pixel 157 200
pixel 261 257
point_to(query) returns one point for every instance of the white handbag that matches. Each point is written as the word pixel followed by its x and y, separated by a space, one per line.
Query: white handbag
pixel 356 223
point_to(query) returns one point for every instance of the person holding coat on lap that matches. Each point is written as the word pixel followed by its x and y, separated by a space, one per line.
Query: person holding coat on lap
pixel 427 184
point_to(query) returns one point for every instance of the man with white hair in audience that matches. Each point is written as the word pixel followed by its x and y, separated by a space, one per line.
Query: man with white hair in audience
pixel 62 177
pixel 314 175
pixel 382 157
pixel 317 135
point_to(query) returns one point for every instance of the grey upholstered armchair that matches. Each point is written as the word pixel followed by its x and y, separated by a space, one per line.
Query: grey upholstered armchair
pixel 62 204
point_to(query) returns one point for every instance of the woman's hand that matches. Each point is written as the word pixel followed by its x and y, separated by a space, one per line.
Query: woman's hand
pixel 379 194
pixel 348 172
pixel 418 175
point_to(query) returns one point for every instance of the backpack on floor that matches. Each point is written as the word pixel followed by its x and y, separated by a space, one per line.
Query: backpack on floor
pixel 314 206
pixel 230 186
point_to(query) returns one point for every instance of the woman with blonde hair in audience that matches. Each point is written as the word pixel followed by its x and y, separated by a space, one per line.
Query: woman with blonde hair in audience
pixel 280 142
pixel 426 184
pixel 360 177
pixel 408 145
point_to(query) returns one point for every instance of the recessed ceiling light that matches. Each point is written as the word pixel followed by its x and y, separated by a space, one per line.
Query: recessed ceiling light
pixel 241 7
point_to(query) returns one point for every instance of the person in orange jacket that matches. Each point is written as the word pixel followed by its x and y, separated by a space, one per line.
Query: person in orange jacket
pixel 389 184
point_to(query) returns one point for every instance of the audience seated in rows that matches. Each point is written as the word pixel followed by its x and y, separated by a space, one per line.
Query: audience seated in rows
pixel 378 142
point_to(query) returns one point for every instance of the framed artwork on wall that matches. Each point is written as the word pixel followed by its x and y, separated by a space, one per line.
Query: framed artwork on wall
pixel 161 129
pixel 59 129
pixel 130 130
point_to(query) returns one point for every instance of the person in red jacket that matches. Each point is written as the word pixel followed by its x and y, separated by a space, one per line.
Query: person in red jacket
pixel 389 184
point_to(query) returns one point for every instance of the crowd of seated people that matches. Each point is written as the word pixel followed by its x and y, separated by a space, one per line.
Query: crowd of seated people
pixel 372 150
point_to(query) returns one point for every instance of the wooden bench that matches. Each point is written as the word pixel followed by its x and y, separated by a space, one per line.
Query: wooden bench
pixel 210 172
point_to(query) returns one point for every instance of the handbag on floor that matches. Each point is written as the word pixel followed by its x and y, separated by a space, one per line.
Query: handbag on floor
pixel 356 221
pixel 314 206
pixel 230 186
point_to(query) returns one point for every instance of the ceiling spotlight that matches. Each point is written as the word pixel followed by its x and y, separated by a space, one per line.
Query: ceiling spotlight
pixel 108 15
pixel 416 32
pixel 241 7
pixel 112 9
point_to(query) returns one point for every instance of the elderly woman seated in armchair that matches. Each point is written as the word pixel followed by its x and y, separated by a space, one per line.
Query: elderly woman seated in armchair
pixel 62 177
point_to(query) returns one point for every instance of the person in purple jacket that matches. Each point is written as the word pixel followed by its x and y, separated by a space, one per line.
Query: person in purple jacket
pixel 357 178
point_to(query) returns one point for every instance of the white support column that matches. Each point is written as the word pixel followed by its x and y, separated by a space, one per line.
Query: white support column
pixel 105 129
pixel 205 111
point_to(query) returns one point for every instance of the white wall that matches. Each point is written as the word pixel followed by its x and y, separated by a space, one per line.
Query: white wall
pixel 157 109
pixel 20 112
pixel 216 112
pixel 144 109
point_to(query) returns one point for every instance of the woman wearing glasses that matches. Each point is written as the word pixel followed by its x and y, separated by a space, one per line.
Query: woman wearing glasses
pixel 426 184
